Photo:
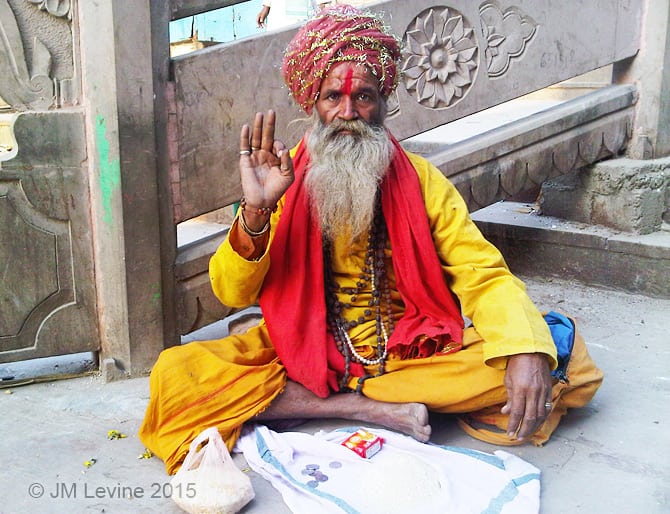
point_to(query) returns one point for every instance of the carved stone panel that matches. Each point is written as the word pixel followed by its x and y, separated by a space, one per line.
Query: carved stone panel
pixel 47 291
pixel 37 268
pixel 36 54
pixel 507 32
pixel 441 57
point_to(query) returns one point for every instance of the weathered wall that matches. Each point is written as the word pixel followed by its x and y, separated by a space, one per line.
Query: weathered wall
pixel 650 72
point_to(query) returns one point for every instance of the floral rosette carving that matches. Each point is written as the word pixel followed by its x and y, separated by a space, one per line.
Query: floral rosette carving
pixel 441 57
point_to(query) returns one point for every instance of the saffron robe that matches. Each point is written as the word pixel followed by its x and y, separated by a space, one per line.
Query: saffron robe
pixel 430 320
pixel 226 382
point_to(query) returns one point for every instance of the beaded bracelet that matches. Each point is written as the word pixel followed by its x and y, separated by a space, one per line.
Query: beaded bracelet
pixel 253 233
pixel 261 211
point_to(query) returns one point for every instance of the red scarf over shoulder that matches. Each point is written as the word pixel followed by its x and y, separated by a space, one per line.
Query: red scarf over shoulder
pixel 293 298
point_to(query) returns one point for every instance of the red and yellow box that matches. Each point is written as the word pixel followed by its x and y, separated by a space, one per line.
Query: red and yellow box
pixel 364 443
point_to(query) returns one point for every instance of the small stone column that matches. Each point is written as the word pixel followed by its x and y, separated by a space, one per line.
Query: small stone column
pixel 623 194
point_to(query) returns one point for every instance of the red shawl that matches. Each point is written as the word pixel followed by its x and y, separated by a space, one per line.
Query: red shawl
pixel 293 299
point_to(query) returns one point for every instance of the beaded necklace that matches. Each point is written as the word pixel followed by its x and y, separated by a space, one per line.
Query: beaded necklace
pixel 373 272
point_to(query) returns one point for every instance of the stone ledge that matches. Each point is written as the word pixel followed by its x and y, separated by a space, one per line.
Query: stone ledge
pixel 543 245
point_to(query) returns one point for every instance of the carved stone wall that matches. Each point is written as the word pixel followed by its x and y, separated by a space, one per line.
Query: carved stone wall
pixel 47 291
pixel 37 64
pixel 47 286
pixel 442 50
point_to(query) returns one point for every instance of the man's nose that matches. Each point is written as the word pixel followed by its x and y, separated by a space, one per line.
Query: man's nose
pixel 348 109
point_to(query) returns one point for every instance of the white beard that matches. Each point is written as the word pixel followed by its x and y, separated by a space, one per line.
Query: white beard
pixel 345 173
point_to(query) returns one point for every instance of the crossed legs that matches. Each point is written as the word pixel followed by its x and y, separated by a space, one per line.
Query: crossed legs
pixel 297 403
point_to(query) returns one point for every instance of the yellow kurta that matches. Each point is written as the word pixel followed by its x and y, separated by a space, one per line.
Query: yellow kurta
pixel 475 271
pixel 226 382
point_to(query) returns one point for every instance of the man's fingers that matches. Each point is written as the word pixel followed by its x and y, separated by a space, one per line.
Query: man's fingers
pixel 528 384
pixel 514 422
pixel 286 163
pixel 521 412
pixel 532 417
pixel 268 134
pixel 263 133
pixel 259 144
pixel 524 423
pixel 244 140
pixel 257 133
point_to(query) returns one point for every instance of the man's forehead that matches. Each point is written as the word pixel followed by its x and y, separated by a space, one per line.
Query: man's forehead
pixel 345 74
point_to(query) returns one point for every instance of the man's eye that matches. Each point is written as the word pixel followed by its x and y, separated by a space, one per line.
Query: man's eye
pixel 333 96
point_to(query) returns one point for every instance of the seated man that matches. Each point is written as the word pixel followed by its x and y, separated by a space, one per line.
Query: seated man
pixel 365 261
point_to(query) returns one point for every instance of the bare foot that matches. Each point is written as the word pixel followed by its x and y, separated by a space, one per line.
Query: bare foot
pixel 409 418
pixel 297 403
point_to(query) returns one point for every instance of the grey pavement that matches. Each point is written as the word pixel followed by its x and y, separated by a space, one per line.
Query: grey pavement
pixel 611 456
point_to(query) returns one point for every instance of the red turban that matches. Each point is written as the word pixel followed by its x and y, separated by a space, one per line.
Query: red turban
pixel 340 33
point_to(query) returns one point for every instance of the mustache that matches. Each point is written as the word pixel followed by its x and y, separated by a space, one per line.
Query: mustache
pixel 355 127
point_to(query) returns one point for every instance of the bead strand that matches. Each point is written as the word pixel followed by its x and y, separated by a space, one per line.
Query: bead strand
pixel 373 272
pixel 261 211
pixel 253 233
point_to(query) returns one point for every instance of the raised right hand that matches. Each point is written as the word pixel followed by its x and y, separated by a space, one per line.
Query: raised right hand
pixel 266 167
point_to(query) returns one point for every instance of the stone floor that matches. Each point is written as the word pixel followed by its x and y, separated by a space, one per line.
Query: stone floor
pixel 611 456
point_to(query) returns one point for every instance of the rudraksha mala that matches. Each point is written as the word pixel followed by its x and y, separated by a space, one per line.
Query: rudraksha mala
pixel 373 274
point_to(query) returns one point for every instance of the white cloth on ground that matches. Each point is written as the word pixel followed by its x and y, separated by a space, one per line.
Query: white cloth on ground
pixel 405 476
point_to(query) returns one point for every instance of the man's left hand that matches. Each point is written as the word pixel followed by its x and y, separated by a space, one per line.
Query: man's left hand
pixel 528 382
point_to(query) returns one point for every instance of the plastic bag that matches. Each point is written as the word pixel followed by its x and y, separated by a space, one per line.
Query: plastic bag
pixel 208 481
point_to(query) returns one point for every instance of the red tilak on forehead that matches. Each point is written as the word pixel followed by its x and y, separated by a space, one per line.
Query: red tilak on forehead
pixel 346 89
